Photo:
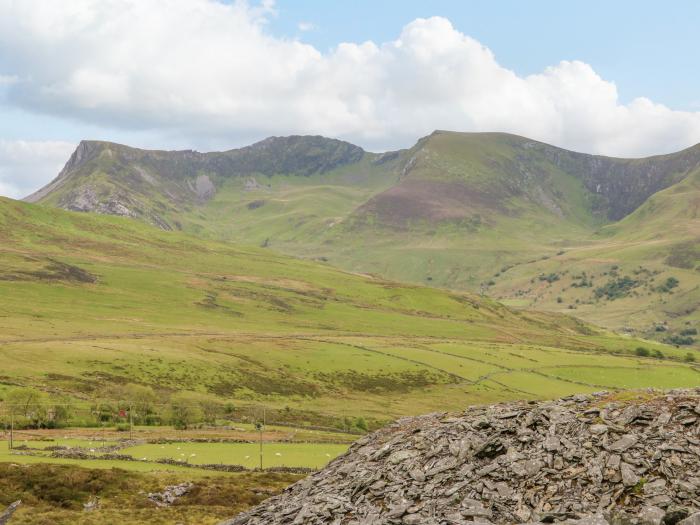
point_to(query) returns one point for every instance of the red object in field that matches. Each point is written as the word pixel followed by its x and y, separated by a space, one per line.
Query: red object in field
pixel 122 413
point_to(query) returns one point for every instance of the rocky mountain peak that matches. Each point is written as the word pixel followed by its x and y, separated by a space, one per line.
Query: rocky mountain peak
pixel 585 459
pixel 298 154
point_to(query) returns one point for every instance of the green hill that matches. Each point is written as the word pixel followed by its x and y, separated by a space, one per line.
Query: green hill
pixel 486 212
pixel 92 301
pixel 640 274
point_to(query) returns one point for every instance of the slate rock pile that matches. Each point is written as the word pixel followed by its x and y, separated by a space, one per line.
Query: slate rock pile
pixel 586 459
pixel 170 494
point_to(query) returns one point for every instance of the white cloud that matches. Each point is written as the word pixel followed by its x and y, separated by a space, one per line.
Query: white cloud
pixel 26 166
pixel 306 26
pixel 201 67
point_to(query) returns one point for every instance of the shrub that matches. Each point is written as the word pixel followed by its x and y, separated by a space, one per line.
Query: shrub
pixel 679 340
pixel 689 331
pixel 616 288
pixel 361 424
pixel 641 351
pixel 668 285
pixel 690 357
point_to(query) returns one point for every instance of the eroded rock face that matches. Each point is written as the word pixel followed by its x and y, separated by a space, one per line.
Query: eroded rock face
pixel 582 459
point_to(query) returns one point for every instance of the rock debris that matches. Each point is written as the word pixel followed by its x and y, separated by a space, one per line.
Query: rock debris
pixel 585 459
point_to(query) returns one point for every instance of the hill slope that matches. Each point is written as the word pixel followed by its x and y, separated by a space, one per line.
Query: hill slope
pixel 458 210
pixel 640 274
pixel 90 301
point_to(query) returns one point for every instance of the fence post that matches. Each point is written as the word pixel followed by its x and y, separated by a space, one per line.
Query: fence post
pixel 260 428
pixel 131 423
pixel 12 429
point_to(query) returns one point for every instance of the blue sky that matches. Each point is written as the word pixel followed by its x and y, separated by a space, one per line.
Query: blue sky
pixel 648 48
pixel 618 78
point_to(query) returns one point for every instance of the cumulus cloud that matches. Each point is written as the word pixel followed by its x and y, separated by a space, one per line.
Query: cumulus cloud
pixel 26 166
pixel 201 67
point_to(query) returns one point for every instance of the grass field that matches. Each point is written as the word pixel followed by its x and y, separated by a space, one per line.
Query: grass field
pixel 311 455
pixel 296 454
pixel 90 302
pixel 54 489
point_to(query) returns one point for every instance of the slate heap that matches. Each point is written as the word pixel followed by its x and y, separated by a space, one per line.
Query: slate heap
pixel 583 459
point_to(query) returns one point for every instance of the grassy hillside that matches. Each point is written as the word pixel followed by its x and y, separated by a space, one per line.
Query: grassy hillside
pixel 641 274
pixel 91 301
pixel 485 212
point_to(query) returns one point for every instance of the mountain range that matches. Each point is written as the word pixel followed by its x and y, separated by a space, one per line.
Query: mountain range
pixel 612 241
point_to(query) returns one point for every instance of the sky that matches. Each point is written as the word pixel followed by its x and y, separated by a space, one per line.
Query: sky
pixel 615 78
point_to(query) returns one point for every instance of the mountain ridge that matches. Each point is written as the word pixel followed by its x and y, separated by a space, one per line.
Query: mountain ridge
pixel 486 212
pixel 304 155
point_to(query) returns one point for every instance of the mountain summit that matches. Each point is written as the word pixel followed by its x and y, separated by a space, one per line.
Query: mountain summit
pixel 529 223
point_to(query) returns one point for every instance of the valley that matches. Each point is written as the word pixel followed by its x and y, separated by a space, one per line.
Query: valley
pixel 308 293
pixel 93 301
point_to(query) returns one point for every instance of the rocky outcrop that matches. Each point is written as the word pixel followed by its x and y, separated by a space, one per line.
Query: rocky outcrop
pixel 86 150
pixel 621 185
pixel 151 185
pixel 582 459
pixel 170 494
pixel 8 512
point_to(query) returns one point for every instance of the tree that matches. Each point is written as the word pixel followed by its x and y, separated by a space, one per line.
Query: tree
pixel 210 410
pixel 59 413
pixel 141 399
pixel 184 411
pixel 28 405
pixel 361 424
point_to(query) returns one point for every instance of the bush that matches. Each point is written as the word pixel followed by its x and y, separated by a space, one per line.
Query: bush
pixel 668 285
pixel 616 288
pixel 123 427
pixel 641 351
pixel 679 340
pixel 689 357
pixel 689 331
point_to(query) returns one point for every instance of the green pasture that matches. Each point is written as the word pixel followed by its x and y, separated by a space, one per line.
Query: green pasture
pixel 313 455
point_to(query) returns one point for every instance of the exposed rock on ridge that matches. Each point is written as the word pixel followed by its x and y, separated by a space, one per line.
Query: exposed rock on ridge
pixel 582 459
pixel 113 179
